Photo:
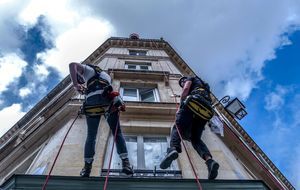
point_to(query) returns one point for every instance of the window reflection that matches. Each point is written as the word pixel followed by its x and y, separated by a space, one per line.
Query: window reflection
pixel 143 152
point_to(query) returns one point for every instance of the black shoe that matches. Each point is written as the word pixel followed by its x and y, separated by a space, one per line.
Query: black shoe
pixel 126 167
pixel 212 167
pixel 172 154
pixel 86 170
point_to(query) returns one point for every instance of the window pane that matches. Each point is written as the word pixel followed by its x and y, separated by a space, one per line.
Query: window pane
pixel 144 67
pixel 147 95
pixel 131 143
pixel 132 52
pixel 116 163
pixel 155 149
pixel 137 52
pixel 141 53
pixel 130 94
pixel 131 66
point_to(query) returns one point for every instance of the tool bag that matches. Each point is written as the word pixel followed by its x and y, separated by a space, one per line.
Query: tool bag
pixel 200 106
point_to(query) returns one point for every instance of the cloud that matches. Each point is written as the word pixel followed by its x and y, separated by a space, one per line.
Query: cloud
pixel 23 92
pixel 283 129
pixel 226 43
pixel 76 44
pixel 9 116
pixel 75 33
pixel 11 67
pixel 275 100
pixel 10 28
pixel 41 71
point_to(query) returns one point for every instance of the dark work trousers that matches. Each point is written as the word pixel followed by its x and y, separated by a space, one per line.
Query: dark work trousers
pixel 191 128
pixel 92 129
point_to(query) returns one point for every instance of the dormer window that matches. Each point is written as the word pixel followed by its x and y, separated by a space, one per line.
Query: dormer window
pixel 138 52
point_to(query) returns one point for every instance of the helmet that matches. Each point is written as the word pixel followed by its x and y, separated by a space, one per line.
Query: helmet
pixel 181 80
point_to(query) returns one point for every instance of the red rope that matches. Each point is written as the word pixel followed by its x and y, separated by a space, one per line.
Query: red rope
pixel 193 168
pixel 48 176
pixel 111 154
pixel 194 171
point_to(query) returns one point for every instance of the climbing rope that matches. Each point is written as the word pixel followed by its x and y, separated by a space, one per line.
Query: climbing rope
pixel 111 155
pixel 177 107
pixel 49 174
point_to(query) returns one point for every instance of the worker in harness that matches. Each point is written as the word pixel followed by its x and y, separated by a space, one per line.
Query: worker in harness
pixel 194 112
pixel 99 100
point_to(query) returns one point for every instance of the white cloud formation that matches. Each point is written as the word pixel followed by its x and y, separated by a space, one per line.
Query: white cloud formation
pixel 23 92
pixel 76 44
pixel 9 33
pixel 9 116
pixel 237 39
pixel 275 100
pixel 227 43
pixel 11 67
pixel 76 33
pixel 41 71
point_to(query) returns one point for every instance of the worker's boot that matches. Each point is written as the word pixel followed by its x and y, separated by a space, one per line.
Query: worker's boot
pixel 86 170
pixel 172 154
pixel 212 167
pixel 126 167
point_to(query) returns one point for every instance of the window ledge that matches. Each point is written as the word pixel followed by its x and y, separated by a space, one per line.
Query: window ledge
pixel 134 74
pixel 151 108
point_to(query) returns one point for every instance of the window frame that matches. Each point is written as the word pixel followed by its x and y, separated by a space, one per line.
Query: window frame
pixel 137 52
pixel 141 158
pixel 138 66
pixel 154 90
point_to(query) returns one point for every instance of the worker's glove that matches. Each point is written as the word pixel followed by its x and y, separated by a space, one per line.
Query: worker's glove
pixel 122 108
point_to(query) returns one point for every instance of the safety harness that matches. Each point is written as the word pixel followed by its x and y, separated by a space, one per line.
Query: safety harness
pixel 97 83
pixel 199 102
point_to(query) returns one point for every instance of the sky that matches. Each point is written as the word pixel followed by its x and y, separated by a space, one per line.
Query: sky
pixel 247 49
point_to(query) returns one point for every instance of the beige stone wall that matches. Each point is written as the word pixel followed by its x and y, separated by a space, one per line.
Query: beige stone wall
pixel 230 167
pixel 70 160
pixel 161 63
pixel 125 51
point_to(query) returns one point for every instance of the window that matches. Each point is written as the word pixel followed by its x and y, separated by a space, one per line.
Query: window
pixel 138 52
pixel 144 152
pixel 139 94
pixel 138 66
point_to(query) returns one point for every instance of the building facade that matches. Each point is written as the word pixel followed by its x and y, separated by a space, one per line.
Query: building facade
pixel 146 73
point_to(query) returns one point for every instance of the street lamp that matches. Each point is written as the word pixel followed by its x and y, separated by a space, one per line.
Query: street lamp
pixel 235 107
